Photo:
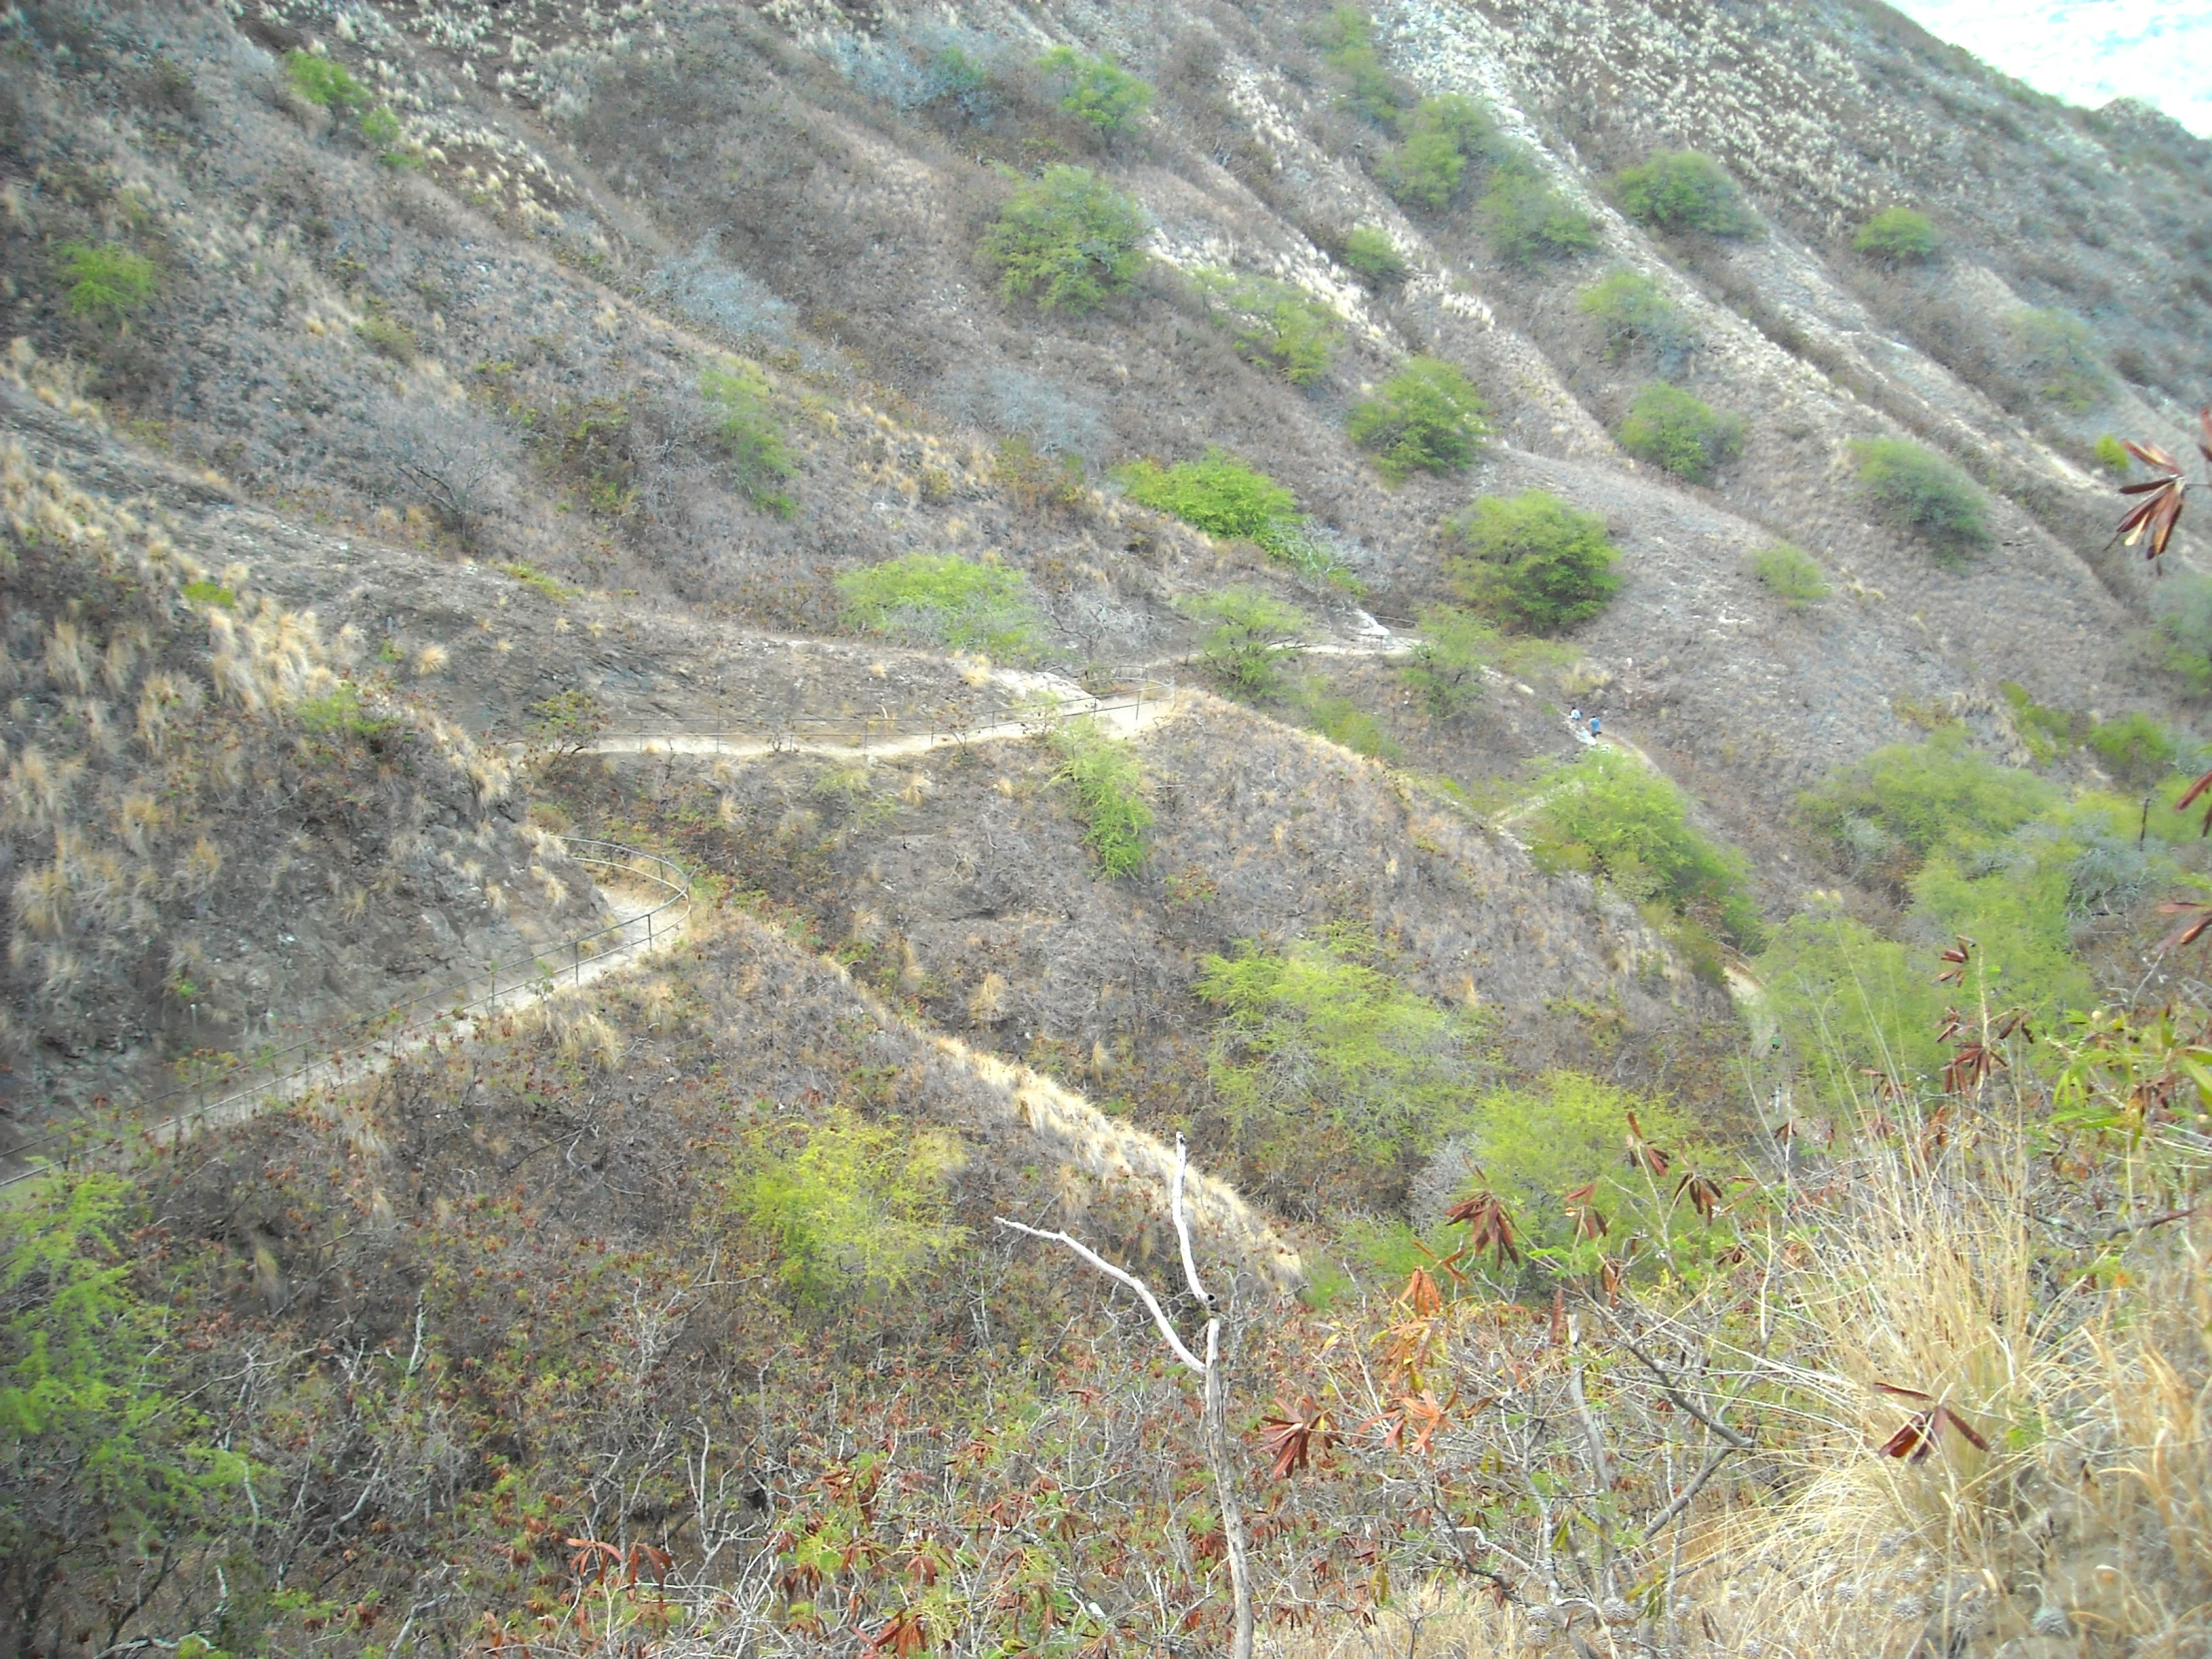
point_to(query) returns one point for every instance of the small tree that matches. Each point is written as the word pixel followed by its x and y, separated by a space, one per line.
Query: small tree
pixel 1532 562
pixel 106 284
pixel 1428 416
pixel 1898 236
pixel 1446 668
pixel 1790 574
pixel 1103 773
pixel 1069 239
pixel 1527 219
pixel 1681 190
pixel 1250 631
pixel 1097 91
pixel 1374 255
pixel 1637 313
pixel 1214 1414
pixel 1917 490
pixel 750 437
pixel 1686 436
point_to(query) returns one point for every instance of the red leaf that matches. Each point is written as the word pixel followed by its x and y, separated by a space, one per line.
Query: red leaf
pixel 1291 1441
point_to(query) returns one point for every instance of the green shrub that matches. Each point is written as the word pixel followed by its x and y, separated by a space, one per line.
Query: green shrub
pixel 339 714
pixel 1532 562
pixel 205 592
pixel 750 437
pixel 323 82
pixel 2048 733
pixel 1374 255
pixel 1923 794
pixel 1097 91
pixel 532 577
pixel 1919 491
pixel 1637 313
pixel 1251 632
pixel 1219 495
pixel 1107 782
pixel 2135 749
pixel 106 284
pixel 1681 190
pixel 1444 669
pixel 1527 219
pixel 1274 324
pixel 1426 417
pixel 2113 456
pixel 1898 236
pixel 1443 136
pixel 1324 709
pixel 387 337
pixel 1321 1049
pixel 1609 814
pixel 1347 41
pixel 1069 239
pixel 858 1211
pixel 2059 353
pixel 1791 574
pixel 1536 1144
pixel 944 600
pixel 1670 428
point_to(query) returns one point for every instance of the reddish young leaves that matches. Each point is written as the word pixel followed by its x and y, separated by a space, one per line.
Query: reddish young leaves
pixel 1704 1194
pixel 902 1638
pixel 1590 1222
pixel 1642 1154
pixel 1293 1440
pixel 2159 510
pixel 1923 1429
pixel 1955 972
pixel 1488 1227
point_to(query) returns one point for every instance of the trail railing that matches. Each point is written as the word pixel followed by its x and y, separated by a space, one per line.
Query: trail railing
pixel 333 1057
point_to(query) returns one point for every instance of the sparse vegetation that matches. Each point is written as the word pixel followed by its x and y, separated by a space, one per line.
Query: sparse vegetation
pixel 750 437
pixel 1347 41
pixel 1274 324
pixel 1670 428
pixel 1445 669
pixel 1442 136
pixel 1791 574
pixel 106 284
pixel 1107 783
pixel 2061 358
pixel 1898 236
pixel 1532 563
pixel 1919 491
pixel 1250 632
pixel 1426 417
pixel 1096 91
pixel 1067 239
pixel 942 599
pixel 1374 255
pixel 322 83
pixel 1638 315
pixel 1681 190
pixel 1527 219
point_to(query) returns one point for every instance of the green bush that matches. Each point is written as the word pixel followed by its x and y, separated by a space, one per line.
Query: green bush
pixel 1251 632
pixel 2135 749
pixel 858 1211
pixel 1107 782
pixel 2061 355
pixel 1536 1144
pixel 1637 313
pixel 339 714
pixel 2047 732
pixel 1428 418
pixel 1791 574
pixel 1097 91
pixel 1670 428
pixel 1532 562
pixel 1681 190
pixel 388 338
pixel 1923 794
pixel 1919 491
pixel 1069 239
pixel 1374 255
pixel 1324 709
pixel 1274 324
pixel 2113 456
pixel 1527 219
pixel 1219 495
pixel 750 435
pixel 944 600
pixel 106 284
pixel 1444 669
pixel 1898 236
pixel 323 82
pixel 1347 41
pixel 1609 814
pixel 1443 136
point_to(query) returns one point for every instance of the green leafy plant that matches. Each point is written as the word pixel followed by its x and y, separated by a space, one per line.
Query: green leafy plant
pixel 2048 733
pixel 944 600
pixel 1638 315
pixel 1443 136
pixel 205 592
pixel 1274 324
pixel 1530 562
pixel 322 83
pixel 531 576
pixel 1323 708
pixel 1670 428
pixel 1922 795
pixel 1374 255
pixel 2183 628
pixel 858 1211
pixel 2059 353
pixel 2112 455
pixel 1225 497
pixel 1919 491
pixel 2135 748
pixel 1107 783
pixel 1068 238
pixel 1539 1142
pixel 1898 236
pixel 339 714
pixel 1682 190
pixel 380 127
pixel 108 282
pixel 1426 417
pixel 1527 219
pixel 1346 37
pixel 387 337
pixel 1791 574
pixel 750 435
pixel 1097 91
pixel 1444 669
pixel 1250 633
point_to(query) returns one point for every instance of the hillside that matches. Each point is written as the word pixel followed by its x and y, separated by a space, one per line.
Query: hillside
pixel 1090 538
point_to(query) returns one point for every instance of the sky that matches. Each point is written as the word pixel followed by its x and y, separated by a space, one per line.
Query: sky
pixel 2090 51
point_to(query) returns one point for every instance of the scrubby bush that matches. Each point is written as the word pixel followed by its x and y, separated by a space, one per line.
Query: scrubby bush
pixel 2135 749
pixel 1426 417
pixel 1444 135
pixel 106 284
pixel 1097 91
pixel 2113 456
pixel 1251 632
pixel 1898 236
pixel 1374 255
pixel 942 599
pixel 1068 238
pixel 1346 37
pixel 1218 494
pixel 1681 190
pixel 949 71
pixel 717 295
pixel 1920 794
pixel 1791 574
pixel 323 82
pixel 750 435
pixel 1638 315
pixel 1527 219
pixel 1670 428
pixel 1274 324
pixel 1537 1143
pixel 2061 358
pixel 1323 708
pixel 1444 667
pixel 1608 813
pixel 1919 491
pixel 1107 783
pixel 1532 562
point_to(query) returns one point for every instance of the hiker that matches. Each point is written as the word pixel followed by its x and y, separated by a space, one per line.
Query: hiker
pixel 1574 715
pixel 1597 724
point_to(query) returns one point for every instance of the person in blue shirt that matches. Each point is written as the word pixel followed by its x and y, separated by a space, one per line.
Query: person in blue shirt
pixel 1597 724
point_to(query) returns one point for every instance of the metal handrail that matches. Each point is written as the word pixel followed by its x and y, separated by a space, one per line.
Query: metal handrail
pixel 278 1067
